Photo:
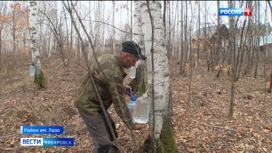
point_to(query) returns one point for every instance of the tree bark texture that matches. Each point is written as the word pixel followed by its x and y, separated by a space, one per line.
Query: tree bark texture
pixel 33 21
pixel 162 124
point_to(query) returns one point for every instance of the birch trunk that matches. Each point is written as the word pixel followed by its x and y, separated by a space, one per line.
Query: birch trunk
pixel 97 27
pixel 198 45
pixel 258 42
pixel 103 28
pixel 185 37
pixel 14 29
pixel 49 44
pixel 145 23
pixel 181 39
pixel 90 31
pixel 160 121
pixel 3 12
pixel 33 21
pixel 139 84
pixel 113 29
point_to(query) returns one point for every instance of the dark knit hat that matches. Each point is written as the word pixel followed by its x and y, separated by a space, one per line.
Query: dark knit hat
pixel 133 48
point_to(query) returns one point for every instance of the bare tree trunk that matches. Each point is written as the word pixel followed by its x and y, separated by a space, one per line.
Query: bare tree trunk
pixel 198 42
pixel 265 51
pixel 3 8
pixel 113 29
pixel 97 27
pixel 258 44
pixel 218 37
pixel 253 40
pixel 103 27
pixel 90 31
pixel 190 57
pixel 80 31
pixel 67 33
pixel 14 29
pixel 249 48
pixel 71 36
pixel 161 138
pixel 185 37
pixel 181 71
pixel 239 65
pixel 33 21
pixel 232 47
pixel 169 45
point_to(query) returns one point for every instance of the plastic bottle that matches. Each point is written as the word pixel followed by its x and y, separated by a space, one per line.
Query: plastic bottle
pixel 142 109
pixel 32 70
pixel 131 104
pixel 132 72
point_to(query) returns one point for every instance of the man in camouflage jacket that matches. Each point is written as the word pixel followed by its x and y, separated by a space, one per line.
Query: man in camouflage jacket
pixel 108 77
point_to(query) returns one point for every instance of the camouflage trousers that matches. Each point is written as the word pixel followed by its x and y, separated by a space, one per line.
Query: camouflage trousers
pixel 100 133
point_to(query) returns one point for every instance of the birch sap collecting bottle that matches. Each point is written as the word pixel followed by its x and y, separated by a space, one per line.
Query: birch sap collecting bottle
pixel 131 105
pixel 132 72
pixel 142 109
pixel 32 70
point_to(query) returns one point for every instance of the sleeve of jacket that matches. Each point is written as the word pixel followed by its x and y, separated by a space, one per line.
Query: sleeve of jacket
pixel 116 89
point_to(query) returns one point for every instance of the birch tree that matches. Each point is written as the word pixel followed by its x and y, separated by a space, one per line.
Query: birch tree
pixel 181 38
pixel 161 137
pixel 14 20
pixel 33 24
pixel 257 37
pixel 113 29
pixel 139 84
pixel 90 30
pixel 97 27
pixel 3 7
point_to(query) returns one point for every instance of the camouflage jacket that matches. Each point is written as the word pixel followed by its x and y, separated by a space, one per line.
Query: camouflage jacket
pixel 110 88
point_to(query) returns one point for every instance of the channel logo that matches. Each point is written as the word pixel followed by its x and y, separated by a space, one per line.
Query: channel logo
pixel 47 141
pixel 235 11
pixel 31 141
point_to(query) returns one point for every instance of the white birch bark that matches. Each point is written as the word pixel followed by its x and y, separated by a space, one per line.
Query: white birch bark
pixel 55 44
pixel 80 29
pixel 146 30
pixel 113 29
pixel 137 28
pixel 90 31
pixel 103 27
pixel 97 26
pixel 48 31
pixel 33 24
pixel 14 48
pixel 161 64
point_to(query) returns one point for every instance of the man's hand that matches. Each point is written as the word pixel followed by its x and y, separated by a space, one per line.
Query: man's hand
pixel 128 90
pixel 139 126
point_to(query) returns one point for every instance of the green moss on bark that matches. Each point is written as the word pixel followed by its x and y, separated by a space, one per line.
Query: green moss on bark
pixel 40 80
pixel 167 139
pixel 166 144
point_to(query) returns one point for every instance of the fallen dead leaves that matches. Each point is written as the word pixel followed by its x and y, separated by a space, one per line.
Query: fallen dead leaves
pixel 200 125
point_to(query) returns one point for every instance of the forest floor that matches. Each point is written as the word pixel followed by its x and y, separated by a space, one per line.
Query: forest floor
pixel 200 124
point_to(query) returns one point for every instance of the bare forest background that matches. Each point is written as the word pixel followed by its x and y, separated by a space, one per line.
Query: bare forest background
pixel 221 71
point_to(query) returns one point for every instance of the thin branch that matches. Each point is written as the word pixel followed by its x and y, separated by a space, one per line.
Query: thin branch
pixel 116 27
